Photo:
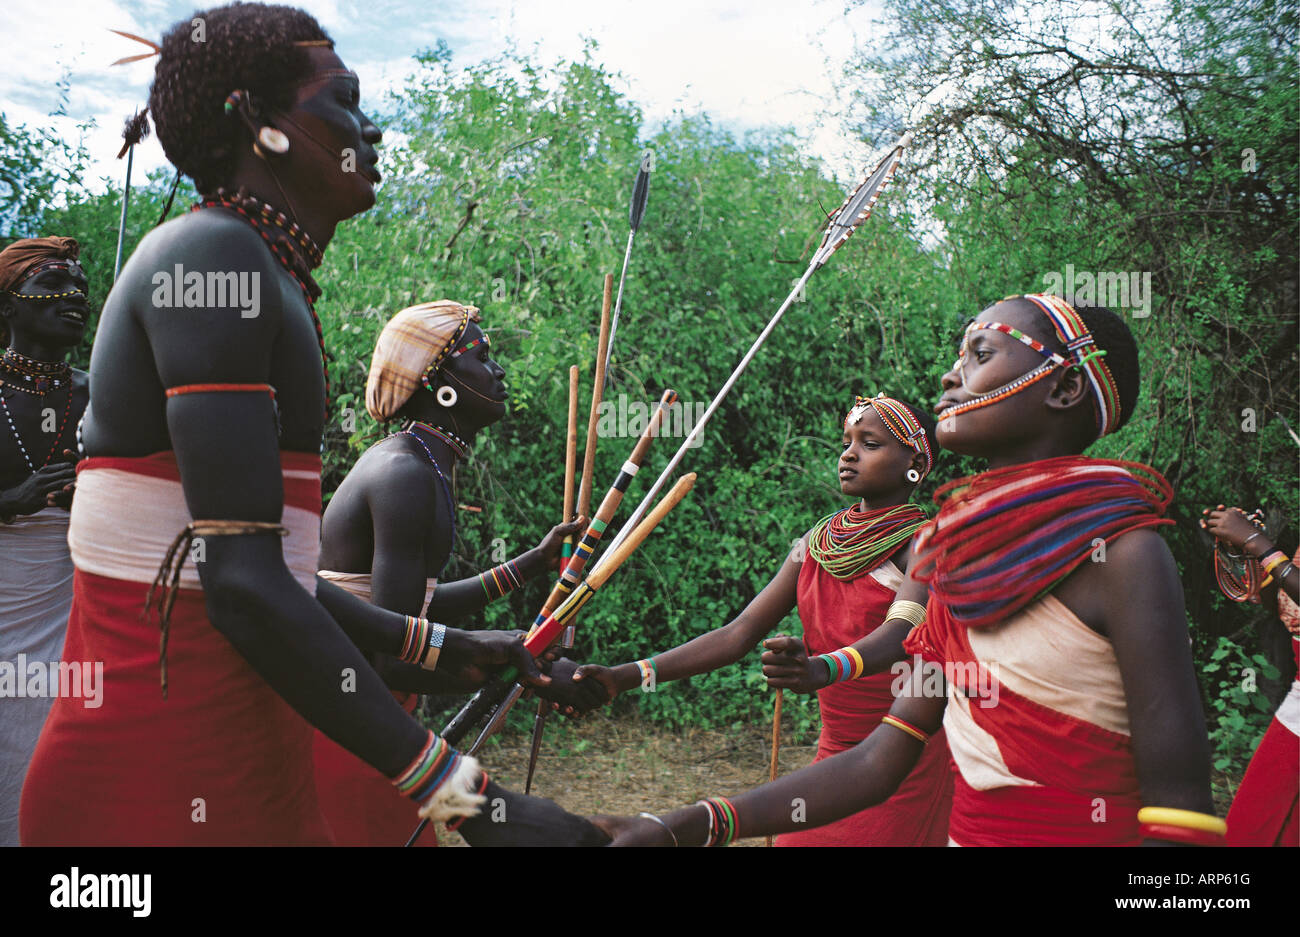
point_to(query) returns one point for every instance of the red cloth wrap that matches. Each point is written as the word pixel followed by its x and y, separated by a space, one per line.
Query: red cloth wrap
pixel 836 613
pixel 1073 762
pixel 141 770
pixel 1266 810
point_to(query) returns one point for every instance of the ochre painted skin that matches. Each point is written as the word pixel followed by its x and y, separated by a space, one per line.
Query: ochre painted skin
pixel 46 329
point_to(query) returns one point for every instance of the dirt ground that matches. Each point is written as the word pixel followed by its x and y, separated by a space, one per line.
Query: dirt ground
pixel 626 765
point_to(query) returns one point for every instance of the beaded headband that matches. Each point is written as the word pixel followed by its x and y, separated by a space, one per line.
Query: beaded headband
pixel 1078 341
pixel 1083 351
pixel 482 340
pixel 50 265
pixel 900 423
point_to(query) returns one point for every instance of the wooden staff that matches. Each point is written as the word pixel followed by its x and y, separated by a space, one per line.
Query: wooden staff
pixel 597 394
pixel 540 639
pixel 570 463
pixel 609 506
pixel 776 738
pixel 570 460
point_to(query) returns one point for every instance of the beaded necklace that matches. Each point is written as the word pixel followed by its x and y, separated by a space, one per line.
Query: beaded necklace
pixel 290 245
pixel 1005 538
pixel 459 448
pixel 446 485
pixel 38 377
pixel 851 542
pixel 1240 578
pixel 18 439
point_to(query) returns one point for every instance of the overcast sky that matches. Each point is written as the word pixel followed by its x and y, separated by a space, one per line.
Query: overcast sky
pixel 752 64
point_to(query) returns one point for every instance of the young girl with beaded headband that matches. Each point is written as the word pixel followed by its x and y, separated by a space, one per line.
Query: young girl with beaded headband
pixel 1054 647
pixel 842 576
pixel 390 527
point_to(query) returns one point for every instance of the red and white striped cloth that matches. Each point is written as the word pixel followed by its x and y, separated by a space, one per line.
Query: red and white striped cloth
pixel 223 760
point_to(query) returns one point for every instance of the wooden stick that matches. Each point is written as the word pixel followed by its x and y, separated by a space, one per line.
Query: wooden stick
pixel 598 391
pixel 570 460
pixel 776 738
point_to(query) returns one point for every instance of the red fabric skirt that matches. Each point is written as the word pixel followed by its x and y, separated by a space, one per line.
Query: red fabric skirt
pixel 223 761
pixel 1266 810
pixel 836 613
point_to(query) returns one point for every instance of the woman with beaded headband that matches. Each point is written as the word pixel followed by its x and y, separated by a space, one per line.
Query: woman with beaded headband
pixel 202 439
pixel 44 310
pixel 1266 808
pixel 390 527
pixel 842 576
pixel 1053 647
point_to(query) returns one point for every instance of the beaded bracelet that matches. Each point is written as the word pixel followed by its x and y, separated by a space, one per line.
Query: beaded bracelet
pixel 647 667
pixel 844 664
pixel 422 642
pixel 913 731
pixel 1273 561
pixel 1185 819
pixel 908 611
pixel 504 578
pixel 723 821
pixel 431 768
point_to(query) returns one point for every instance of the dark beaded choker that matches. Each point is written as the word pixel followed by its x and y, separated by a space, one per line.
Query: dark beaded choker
pixel 289 244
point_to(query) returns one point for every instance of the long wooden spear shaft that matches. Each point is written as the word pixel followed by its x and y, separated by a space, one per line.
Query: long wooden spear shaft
pixel 570 460
pixel 640 193
pixel 541 639
pixel 856 208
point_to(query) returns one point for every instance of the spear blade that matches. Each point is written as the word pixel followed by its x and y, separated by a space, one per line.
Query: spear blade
pixel 640 194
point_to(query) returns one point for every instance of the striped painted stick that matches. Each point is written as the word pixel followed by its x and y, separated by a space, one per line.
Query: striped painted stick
pixel 605 513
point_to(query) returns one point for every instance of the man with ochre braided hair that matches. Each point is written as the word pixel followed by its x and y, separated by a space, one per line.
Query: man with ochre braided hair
pixel 43 314
pixel 1054 631
pixel 205 426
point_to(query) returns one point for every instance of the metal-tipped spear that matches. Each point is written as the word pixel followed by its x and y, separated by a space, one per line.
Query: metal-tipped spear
pixel 135 130
pixel 855 210
pixel 640 192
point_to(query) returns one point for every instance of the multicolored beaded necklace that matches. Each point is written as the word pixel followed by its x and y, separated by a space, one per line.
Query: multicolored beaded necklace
pixel 37 377
pixel 459 448
pixel 851 542
pixel 1005 538
pixel 290 245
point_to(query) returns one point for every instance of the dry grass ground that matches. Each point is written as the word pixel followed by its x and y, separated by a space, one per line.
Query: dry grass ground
pixel 626 765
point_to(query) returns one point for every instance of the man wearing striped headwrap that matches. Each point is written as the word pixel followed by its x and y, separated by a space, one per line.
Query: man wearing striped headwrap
pixel 390 528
